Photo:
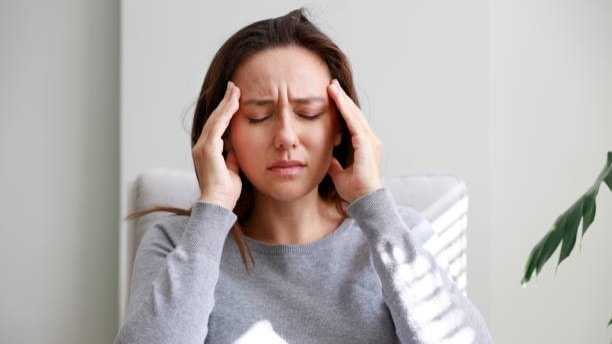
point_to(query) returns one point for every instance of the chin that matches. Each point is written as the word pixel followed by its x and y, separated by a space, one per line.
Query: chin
pixel 287 193
pixel 288 197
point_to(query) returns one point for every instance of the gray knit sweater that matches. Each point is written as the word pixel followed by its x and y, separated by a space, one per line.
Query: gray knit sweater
pixel 369 281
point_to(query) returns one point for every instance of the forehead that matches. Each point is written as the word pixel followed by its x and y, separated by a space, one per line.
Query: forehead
pixel 292 70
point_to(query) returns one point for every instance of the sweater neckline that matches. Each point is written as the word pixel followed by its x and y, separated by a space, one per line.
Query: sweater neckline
pixel 291 249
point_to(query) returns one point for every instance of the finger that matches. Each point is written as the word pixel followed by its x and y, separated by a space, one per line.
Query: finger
pixel 210 141
pixel 220 118
pixel 335 168
pixel 352 114
pixel 356 122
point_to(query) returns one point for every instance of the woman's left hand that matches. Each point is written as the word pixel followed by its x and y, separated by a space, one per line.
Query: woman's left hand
pixel 362 176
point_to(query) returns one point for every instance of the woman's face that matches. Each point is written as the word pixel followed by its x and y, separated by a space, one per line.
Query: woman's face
pixel 286 127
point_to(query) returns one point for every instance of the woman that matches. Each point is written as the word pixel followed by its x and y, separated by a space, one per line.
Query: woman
pixel 320 253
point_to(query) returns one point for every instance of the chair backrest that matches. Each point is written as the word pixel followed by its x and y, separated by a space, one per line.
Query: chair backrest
pixel 441 198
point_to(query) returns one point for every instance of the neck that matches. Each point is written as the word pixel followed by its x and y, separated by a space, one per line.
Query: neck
pixel 297 222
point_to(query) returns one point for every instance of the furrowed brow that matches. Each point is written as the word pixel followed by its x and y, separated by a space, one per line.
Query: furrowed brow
pixel 257 102
pixel 310 101
pixel 300 101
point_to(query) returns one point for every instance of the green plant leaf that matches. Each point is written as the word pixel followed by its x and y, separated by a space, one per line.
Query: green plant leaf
pixel 564 231
pixel 542 252
pixel 588 210
pixel 569 226
pixel 548 246
pixel 610 322
pixel 608 176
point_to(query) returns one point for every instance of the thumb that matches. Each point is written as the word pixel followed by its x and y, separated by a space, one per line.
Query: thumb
pixel 335 168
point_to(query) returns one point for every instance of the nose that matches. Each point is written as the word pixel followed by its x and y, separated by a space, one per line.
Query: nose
pixel 286 136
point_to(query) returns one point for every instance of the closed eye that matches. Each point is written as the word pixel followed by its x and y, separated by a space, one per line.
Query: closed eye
pixel 258 119
pixel 309 116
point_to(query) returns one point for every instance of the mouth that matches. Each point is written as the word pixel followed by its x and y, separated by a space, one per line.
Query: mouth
pixel 287 168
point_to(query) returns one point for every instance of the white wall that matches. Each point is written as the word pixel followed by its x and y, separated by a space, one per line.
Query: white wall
pixel 550 129
pixel 59 172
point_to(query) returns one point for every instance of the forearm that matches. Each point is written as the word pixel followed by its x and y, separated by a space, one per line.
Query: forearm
pixel 425 304
pixel 173 284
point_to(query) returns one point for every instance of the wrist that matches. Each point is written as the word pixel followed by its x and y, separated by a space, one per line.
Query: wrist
pixel 224 202
pixel 363 191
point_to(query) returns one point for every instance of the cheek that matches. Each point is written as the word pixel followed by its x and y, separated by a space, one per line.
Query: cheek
pixel 245 140
pixel 236 138
pixel 330 134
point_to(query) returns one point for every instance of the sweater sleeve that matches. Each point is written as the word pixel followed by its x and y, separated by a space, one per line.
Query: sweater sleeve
pixel 173 282
pixel 425 304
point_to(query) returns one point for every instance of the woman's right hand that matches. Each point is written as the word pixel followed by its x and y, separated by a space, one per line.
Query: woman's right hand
pixel 218 177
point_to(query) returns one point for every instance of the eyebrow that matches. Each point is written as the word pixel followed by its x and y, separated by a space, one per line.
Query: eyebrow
pixel 301 101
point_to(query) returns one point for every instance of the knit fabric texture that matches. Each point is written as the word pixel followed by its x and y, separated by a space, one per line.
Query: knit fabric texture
pixel 375 279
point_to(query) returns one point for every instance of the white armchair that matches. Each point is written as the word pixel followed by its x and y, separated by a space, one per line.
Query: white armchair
pixel 441 198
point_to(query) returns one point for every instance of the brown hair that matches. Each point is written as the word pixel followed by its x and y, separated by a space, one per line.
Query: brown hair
pixel 292 29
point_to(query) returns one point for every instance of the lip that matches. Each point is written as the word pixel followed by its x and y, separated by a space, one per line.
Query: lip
pixel 287 168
